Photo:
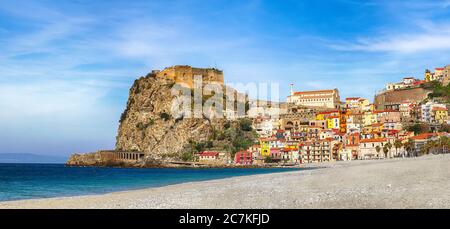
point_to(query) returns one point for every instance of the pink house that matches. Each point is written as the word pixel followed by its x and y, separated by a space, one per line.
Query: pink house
pixel 275 154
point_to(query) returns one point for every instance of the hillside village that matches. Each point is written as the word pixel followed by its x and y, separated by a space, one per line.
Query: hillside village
pixel 316 126
pixel 407 119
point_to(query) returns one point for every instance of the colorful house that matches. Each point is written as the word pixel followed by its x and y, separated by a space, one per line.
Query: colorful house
pixel 333 122
pixel 369 118
pixel 265 148
pixel 368 148
pixel 439 115
pixel 276 155
pixel 290 155
pixel 243 158
pixel 326 114
pixel 208 156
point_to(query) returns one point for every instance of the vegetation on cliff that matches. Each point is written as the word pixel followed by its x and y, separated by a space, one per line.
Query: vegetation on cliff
pixel 439 91
pixel 233 137
pixel 147 125
pixel 423 127
pixel 419 128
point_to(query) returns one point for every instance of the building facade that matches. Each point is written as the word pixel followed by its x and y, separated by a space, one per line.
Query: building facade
pixel 368 148
pixel 321 98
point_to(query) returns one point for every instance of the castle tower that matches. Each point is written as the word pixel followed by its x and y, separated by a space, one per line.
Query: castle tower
pixel 292 89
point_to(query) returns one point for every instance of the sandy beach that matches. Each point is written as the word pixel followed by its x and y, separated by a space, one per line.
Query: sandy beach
pixel 399 183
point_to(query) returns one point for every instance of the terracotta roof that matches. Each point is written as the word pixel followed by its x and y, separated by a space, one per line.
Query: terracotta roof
pixel 424 136
pixel 313 92
pixel 384 111
pixel 373 140
pixel 329 112
pixel 351 145
pixel 209 154
pixel 440 69
pixel 353 98
pixel 440 109
pixel 419 82
pixel 243 152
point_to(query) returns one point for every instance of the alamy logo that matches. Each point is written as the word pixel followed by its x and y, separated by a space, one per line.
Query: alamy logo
pixel 229 101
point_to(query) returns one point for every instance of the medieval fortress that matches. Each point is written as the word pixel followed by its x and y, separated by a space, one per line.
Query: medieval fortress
pixel 184 74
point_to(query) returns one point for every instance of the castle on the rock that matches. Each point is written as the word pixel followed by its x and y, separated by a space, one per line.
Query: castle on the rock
pixel 184 74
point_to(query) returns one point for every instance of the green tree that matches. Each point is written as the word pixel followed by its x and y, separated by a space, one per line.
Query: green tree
pixel 227 125
pixel 443 143
pixel 245 124
pixel 439 90
pixel 378 149
pixel 397 144
pixel 410 147
pixel 389 147
pixel 444 128
pixel 187 156
pixel 268 160
pixel 419 128
pixel 428 147
pixel 164 116
pixel 385 151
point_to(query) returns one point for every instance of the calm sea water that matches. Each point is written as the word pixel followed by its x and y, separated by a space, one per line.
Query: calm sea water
pixel 30 181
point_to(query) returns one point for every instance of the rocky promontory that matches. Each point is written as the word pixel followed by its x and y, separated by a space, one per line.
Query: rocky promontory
pixel 148 127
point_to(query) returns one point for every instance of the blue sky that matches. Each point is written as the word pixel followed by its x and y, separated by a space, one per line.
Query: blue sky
pixel 66 66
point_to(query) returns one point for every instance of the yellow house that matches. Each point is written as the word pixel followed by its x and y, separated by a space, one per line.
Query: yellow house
pixel 369 118
pixel 428 76
pixel 320 117
pixel 291 145
pixel 440 114
pixel 333 122
pixel 364 102
pixel 323 116
pixel 265 148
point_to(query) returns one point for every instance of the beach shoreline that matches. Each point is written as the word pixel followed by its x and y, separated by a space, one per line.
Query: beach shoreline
pixel 398 183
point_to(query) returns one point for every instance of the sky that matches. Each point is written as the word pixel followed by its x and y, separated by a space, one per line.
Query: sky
pixel 66 66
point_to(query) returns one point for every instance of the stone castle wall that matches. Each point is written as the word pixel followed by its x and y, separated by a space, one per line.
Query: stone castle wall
pixel 184 74
pixel 392 98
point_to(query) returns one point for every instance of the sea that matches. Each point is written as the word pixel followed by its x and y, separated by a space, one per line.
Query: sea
pixel 33 181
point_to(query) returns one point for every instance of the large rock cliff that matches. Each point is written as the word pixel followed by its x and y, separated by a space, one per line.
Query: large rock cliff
pixel 147 124
pixel 149 128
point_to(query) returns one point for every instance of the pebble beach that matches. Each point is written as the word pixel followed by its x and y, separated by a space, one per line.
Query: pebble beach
pixel 422 182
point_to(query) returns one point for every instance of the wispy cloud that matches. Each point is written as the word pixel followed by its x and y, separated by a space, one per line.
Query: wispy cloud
pixel 427 36
pixel 66 67
pixel 405 43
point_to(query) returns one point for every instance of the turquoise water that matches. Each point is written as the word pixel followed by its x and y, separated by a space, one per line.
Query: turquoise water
pixel 30 181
